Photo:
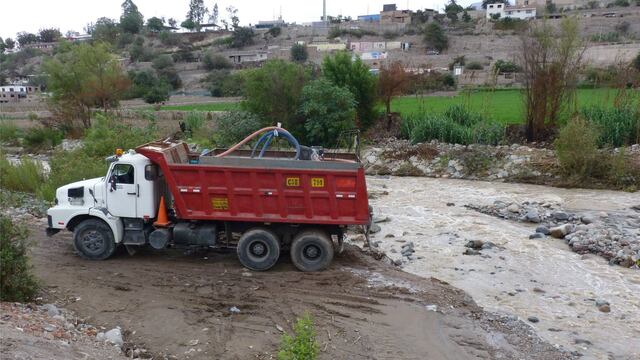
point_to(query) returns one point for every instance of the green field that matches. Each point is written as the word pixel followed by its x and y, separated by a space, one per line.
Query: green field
pixel 505 106
pixel 217 106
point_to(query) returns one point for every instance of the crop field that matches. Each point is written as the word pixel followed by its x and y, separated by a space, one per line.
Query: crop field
pixel 505 106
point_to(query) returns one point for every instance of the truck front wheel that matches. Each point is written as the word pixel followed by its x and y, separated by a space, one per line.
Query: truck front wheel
pixel 93 240
pixel 258 249
pixel 311 250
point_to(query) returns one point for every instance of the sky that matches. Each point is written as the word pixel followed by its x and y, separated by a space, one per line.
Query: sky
pixel 32 15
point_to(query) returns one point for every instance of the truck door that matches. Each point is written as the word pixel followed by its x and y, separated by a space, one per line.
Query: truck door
pixel 122 191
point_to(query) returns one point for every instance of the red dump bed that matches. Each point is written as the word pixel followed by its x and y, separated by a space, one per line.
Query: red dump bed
pixel 271 189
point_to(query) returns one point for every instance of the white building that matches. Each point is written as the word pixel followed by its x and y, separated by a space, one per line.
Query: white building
pixel 501 10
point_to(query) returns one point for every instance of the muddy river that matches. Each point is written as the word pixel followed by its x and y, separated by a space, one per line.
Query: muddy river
pixel 523 277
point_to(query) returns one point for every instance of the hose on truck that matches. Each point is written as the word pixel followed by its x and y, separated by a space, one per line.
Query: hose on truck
pixel 267 138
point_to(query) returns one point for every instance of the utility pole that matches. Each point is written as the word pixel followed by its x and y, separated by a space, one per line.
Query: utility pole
pixel 324 10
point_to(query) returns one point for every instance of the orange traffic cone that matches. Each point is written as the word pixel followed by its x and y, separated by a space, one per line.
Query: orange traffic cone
pixel 163 219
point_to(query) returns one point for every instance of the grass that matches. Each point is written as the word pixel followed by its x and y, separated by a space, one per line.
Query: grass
pixel 504 106
pixel 214 106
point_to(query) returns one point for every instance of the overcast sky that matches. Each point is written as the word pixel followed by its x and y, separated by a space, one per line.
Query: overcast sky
pixel 31 15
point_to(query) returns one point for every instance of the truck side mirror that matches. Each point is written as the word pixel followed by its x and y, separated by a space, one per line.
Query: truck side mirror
pixel 112 183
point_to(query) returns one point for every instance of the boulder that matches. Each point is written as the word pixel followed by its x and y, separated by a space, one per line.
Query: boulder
pixel 543 230
pixel 560 216
pixel 514 208
pixel 532 216
pixel 561 231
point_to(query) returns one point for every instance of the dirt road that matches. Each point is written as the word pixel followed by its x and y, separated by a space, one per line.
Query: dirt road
pixel 179 304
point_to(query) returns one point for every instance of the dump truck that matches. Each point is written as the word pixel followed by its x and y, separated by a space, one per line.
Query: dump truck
pixel 259 201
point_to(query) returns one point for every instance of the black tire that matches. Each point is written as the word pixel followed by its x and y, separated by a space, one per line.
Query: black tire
pixel 311 250
pixel 258 249
pixel 93 240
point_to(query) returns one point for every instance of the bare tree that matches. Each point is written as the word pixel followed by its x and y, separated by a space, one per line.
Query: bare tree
pixel 391 82
pixel 550 60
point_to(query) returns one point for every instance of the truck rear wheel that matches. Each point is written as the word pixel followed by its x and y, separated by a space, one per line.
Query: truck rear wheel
pixel 93 240
pixel 258 249
pixel 311 250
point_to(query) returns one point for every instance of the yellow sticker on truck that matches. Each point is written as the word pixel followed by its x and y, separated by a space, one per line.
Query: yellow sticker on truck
pixel 317 182
pixel 221 203
pixel 293 181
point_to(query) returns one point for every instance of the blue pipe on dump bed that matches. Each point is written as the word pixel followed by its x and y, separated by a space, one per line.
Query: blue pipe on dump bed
pixel 268 137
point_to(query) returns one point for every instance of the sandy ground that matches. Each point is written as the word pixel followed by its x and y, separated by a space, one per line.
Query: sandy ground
pixel 178 304
pixel 541 278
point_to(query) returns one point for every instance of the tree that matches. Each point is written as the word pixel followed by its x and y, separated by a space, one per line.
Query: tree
pixel 213 18
pixel 549 59
pixel 189 25
pixel 636 62
pixel 49 35
pixel 2 46
pixel 274 31
pixel 551 7
pixel 452 9
pixel 155 24
pixel 273 93
pixel 242 36
pixel 196 13
pixel 9 43
pixel 25 38
pixel 392 81
pixel 131 20
pixel 466 17
pixel 354 75
pixel 299 53
pixel 487 2
pixel 172 22
pixel 233 16
pixel 328 110
pixel 216 62
pixel 157 94
pixel 82 77
pixel 165 67
pixel 435 37
pixel 105 30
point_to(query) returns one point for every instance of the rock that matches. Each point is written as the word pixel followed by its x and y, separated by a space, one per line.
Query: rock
pixel 397 262
pixel 601 302
pixel 582 341
pixel 389 236
pixel 532 216
pixel 543 230
pixel 514 208
pixel 234 310
pixel 393 251
pixel 488 245
pixel 48 328
pixel 560 216
pixel 114 336
pixel 451 204
pixel 605 308
pixel 533 319
pixel 586 220
pixel 471 252
pixel 374 228
pixel 561 231
pixel 381 219
pixel 51 309
pixel 474 244
pixel 537 236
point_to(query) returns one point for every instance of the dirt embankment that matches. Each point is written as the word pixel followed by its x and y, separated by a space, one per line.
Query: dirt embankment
pixel 178 305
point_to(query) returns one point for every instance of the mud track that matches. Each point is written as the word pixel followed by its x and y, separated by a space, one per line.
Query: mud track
pixel 177 305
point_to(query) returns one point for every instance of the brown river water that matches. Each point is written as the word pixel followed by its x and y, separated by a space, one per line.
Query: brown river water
pixel 503 278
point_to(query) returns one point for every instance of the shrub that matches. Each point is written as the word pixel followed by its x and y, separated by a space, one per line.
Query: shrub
pixel 234 126
pixel 577 150
pixel 636 61
pixel 168 38
pixel 216 62
pixel 241 37
pixel 299 53
pixel 223 83
pixel 17 282
pixel 275 31
pixel 303 345
pixel 502 66
pixel 71 166
pixel 107 134
pixel 455 125
pixel 9 133
pixel 40 138
pixel 435 37
pixel 328 110
pixel 611 36
pixel 26 176
pixel 194 121
pixel 474 65
pixel 510 24
pixel 618 126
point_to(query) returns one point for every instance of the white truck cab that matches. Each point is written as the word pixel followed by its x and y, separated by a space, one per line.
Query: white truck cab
pixel 99 210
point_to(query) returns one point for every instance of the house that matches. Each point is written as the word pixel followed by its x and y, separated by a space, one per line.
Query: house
pixel 241 57
pixel 322 47
pixel 566 4
pixel 500 10
pixel 13 93
pixel 369 18
pixel 41 46
pixel 395 17
pixel 77 37
pixel 270 24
